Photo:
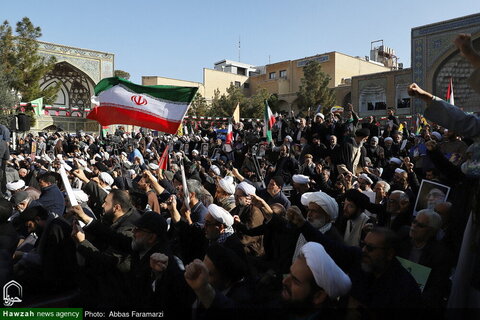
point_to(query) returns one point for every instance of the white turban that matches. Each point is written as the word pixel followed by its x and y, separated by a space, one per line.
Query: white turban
pixel 388 139
pixel 194 152
pixel 395 160
pixel 227 184
pixel 323 200
pixel 437 135
pixel 81 196
pixel 215 169
pixel 84 164
pixel 321 115
pixel 365 177
pixel 289 138
pixel 300 178
pixel 131 172
pixel 326 273
pixel 398 170
pixel 15 185
pixel 221 215
pixel 107 178
pixel 153 166
pixel 247 188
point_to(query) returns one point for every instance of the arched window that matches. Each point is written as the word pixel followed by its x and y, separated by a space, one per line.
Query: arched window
pixel 76 87
pixel 373 98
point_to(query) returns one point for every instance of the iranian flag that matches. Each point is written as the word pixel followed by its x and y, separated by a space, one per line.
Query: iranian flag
pixel 161 108
pixel 269 122
pixel 229 138
pixel 449 96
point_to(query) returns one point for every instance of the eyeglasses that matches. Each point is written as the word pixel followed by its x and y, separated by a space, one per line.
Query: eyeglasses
pixel 369 247
pixel 418 224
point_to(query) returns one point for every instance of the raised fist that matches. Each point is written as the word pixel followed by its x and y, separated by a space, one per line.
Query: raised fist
pixel 158 262
pixel 196 274
pixel 294 215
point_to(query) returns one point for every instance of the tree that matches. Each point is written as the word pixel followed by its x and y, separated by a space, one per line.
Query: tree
pixel 199 106
pixel 224 105
pixel 256 105
pixel 7 97
pixel 122 74
pixel 314 90
pixel 24 66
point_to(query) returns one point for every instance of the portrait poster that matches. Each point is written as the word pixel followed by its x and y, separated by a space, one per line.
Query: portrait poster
pixel 430 194
pixel 205 149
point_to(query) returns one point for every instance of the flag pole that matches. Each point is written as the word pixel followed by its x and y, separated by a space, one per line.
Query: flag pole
pixel 186 197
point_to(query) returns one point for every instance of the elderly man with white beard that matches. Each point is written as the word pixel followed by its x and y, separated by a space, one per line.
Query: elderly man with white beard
pixel 322 210
pixel 249 215
pixel 224 193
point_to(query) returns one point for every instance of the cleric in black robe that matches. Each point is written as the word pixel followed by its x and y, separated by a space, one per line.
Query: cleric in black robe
pixel 352 153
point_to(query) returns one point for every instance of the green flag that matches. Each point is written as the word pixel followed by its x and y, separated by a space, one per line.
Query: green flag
pixel 37 106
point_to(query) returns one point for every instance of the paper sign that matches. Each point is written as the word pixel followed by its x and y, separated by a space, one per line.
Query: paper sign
pixel 68 187
pixel 419 273
pixel 371 196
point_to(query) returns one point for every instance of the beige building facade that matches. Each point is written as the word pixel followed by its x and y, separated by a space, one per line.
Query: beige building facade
pixel 284 78
pixel 212 80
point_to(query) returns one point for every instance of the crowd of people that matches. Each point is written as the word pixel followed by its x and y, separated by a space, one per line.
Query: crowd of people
pixel 315 223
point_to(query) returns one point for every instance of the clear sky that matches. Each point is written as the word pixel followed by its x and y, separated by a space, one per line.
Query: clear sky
pixel 177 39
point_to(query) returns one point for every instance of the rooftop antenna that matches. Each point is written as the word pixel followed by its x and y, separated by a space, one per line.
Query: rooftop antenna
pixel 268 59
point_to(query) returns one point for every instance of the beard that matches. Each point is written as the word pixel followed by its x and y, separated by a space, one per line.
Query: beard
pixel 366 267
pixel 241 203
pixel 317 223
pixel 108 216
pixel 138 245
pixel 374 266
pixel 295 306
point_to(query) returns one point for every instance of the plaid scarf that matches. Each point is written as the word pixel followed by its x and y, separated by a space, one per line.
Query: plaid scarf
pixel 227 233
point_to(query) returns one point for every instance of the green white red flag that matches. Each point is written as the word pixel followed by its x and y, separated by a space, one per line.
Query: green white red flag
pixel 449 96
pixel 161 108
pixel 229 138
pixel 269 120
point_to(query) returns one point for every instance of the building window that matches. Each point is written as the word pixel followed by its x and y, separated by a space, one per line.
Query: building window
pixel 373 98
pixel 283 74
pixel 237 84
pixel 401 96
pixel 246 85
pixel 271 75
pixel 241 71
